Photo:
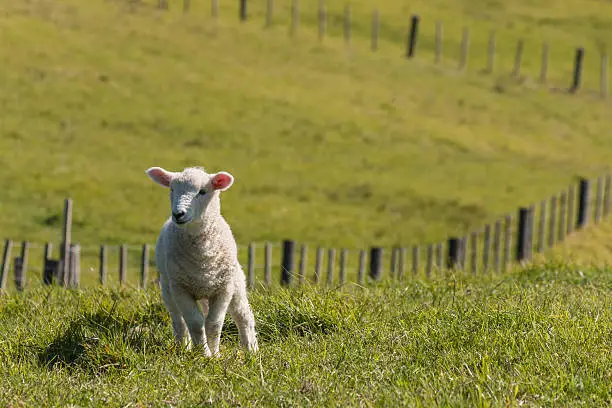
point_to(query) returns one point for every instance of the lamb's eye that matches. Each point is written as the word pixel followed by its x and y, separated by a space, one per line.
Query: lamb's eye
pixel 202 192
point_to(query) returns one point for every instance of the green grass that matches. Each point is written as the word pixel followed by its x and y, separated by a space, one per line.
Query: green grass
pixel 330 146
pixel 536 337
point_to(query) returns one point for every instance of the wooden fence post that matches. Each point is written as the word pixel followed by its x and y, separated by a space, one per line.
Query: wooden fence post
pixel 507 241
pixel 21 267
pixel 331 261
pixel 122 264
pixel 542 228
pixel 577 79
pixel 562 216
pixel 531 220
pixel 412 36
pixel 47 274
pixel 186 6
pixel 75 265
pixel 462 252
pixel 583 204
pixel 522 240
pixel 144 266
pixel 491 59
pixel 322 20
pixel 66 234
pixel 465 45
pixel 452 259
pixel 295 17
pixel 343 259
pixel 415 260
pixel 607 192
pixel 393 263
pixel 214 8
pixel 375 262
pixel 439 35
pixel 243 10
pixel 287 264
pixel 571 209
pixel 6 259
pixel 267 264
pixel 439 256
pixel 599 200
pixel 486 247
pixel 474 252
pixel 375 29
pixel 303 258
pixel 552 223
pixel 251 265
pixel 269 12
pixel 544 67
pixel 318 264
pixel 361 267
pixel 347 23
pixel 518 59
pixel 402 263
pixel 103 270
pixel 497 246
pixel 430 260
pixel 604 75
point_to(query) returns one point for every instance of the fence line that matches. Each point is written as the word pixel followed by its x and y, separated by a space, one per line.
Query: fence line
pixel 323 18
pixel 503 241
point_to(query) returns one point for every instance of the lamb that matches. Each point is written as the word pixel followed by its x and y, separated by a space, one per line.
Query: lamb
pixel 197 259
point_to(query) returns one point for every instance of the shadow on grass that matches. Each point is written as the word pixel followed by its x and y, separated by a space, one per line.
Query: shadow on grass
pixel 100 341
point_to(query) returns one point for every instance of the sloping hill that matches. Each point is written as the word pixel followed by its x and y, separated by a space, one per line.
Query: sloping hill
pixel 328 145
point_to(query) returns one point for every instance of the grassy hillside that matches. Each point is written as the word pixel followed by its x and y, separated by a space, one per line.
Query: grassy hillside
pixel 328 145
pixel 536 338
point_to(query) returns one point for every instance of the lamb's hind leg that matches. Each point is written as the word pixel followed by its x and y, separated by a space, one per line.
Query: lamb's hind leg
pixel 243 317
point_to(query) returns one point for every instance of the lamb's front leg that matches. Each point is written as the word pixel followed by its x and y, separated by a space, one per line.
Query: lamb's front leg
pixel 217 308
pixel 178 324
pixel 192 316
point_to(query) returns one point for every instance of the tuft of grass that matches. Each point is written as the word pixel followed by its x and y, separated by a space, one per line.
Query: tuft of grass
pixel 539 336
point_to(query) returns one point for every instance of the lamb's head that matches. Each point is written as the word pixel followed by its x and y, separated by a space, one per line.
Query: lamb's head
pixel 192 191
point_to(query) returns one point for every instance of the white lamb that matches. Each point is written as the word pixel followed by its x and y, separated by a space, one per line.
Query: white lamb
pixel 197 259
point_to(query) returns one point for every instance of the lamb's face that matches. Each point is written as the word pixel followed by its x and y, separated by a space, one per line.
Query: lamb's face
pixel 191 190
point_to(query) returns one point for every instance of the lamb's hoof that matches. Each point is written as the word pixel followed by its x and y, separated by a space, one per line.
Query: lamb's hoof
pixel 252 347
pixel 205 350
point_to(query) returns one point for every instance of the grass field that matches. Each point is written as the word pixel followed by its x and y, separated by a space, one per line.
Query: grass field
pixel 537 337
pixel 328 146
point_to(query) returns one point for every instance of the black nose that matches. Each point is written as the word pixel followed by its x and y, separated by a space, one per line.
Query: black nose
pixel 179 214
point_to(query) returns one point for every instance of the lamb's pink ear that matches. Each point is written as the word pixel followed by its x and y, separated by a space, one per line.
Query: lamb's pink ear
pixel 160 176
pixel 222 181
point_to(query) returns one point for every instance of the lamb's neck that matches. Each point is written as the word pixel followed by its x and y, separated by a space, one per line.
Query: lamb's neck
pixel 202 227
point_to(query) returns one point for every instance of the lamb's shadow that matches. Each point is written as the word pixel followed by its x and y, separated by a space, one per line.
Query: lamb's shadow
pixel 96 342
pixel 84 343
